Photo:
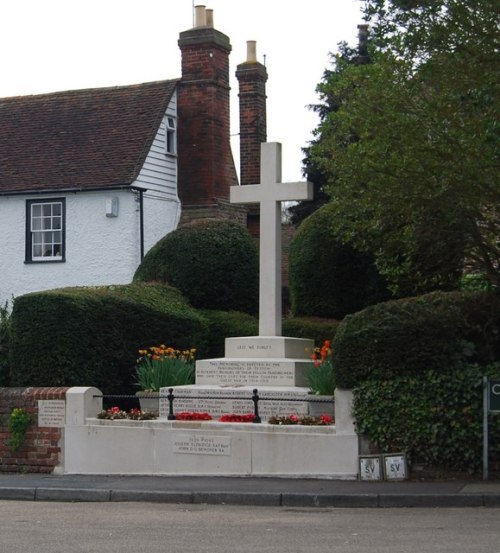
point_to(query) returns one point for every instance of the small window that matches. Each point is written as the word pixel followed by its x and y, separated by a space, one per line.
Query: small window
pixel 45 230
pixel 170 136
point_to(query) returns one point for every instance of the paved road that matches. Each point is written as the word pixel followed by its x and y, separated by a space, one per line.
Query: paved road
pixel 41 527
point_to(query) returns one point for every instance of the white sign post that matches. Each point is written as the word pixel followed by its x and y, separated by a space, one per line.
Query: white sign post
pixel 269 194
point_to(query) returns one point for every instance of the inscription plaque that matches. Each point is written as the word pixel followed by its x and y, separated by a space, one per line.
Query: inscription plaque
pixel 51 413
pixel 251 372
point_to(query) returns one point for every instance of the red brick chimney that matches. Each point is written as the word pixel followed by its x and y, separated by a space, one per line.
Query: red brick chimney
pixel 205 163
pixel 252 77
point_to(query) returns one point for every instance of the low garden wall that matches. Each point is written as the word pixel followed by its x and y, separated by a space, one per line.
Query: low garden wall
pixel 41 449
pixel 65 436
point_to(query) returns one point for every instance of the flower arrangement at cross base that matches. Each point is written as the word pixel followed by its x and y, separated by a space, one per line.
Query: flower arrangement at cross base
pixel 320 377
pixel 162 367
pixel 115 413
pixel 306 420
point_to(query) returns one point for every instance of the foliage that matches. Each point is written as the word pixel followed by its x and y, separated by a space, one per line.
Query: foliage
pixel 5 333
pixel 320 376
pixel 161 366
pixel 305 420
pixel 90 336
pixel 413 177
pixel 408 336
pixel 222 325
pixel 477 282
pixel 17 424
pixel 328 277
pixel 213 262
pixel 436 417
pixel 316 328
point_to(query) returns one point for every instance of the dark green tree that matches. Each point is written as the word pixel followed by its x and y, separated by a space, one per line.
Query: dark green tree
pixel 411 153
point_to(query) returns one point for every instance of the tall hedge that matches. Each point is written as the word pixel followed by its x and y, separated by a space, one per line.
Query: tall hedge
pixel 90 336
pixel 409 336
pixel 329 278
pixel 213 262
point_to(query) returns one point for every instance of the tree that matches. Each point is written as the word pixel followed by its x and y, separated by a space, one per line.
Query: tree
pixel 411 153
pixel 329 103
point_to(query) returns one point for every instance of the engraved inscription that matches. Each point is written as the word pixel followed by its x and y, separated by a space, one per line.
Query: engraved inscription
pixel 51 413
pixel 201 444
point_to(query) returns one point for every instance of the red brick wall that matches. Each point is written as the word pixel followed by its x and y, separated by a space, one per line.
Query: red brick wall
pixel 41 451
pixel 205 163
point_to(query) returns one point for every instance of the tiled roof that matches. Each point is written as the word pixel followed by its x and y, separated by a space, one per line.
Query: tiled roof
pixel 79 139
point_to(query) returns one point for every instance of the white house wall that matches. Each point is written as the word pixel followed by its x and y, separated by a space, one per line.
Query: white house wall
pixel 99 249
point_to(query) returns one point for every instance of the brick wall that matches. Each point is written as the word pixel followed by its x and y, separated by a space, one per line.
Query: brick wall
pixel 41 451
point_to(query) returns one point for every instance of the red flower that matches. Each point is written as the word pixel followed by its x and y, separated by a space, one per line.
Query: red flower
pixel 326 419
pixel 232 417
pixel 192 416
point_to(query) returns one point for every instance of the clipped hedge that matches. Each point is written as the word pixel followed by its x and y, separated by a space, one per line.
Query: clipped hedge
pixel 408 336
pixel 327 277
pixel 226 324
pixel 213 262
pixel 435 417
pixel 90 336
pixel 5 333
pixel 310 327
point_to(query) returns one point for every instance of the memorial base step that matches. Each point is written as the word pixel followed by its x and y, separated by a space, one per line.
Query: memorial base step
pixel 219 400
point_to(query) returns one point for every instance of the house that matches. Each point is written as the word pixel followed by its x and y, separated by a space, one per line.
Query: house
pixel 91 179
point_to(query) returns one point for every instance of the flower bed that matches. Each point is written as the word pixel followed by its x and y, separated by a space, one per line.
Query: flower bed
pixel 323 420
pixel 115 413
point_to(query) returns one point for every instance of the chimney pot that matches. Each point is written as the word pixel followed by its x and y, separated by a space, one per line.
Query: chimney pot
pixel 200 16
pixel 210 18
pixel 251 51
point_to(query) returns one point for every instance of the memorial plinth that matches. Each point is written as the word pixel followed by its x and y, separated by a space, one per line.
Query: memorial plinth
pixel 226 385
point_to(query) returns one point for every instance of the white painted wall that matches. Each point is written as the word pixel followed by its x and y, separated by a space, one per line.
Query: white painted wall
pixel 99 250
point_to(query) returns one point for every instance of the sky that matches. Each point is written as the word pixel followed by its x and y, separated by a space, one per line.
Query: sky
pixel 55 45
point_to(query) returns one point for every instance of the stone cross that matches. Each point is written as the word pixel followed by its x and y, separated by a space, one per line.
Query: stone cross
pixel 269 194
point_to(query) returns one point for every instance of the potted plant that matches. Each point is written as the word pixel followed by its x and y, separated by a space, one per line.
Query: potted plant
pixel 162 367
pixel 321 381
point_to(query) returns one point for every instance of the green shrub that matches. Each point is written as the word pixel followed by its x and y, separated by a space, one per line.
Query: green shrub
pixel 225 324
pixel 213 262
pixel 327 277
pixel 17 425
pixel 91 336
pixel 408 336
pixel 436 417
pixel 4 344
pixel 310 327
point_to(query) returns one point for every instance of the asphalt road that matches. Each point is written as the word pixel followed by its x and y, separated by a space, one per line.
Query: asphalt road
pixel 44 527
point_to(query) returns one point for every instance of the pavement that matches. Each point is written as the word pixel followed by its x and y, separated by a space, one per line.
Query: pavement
pixel 279 492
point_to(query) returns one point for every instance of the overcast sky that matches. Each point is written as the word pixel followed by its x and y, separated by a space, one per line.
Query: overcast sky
pixel 51 45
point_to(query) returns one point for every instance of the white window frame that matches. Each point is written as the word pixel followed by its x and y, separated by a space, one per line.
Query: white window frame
pixel 170 135
pixel 45 230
